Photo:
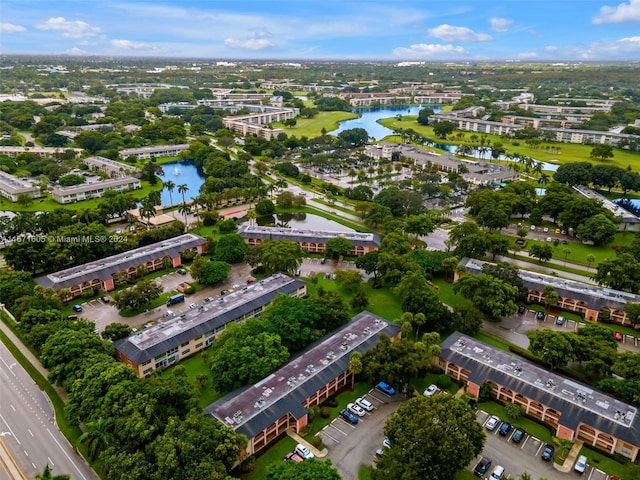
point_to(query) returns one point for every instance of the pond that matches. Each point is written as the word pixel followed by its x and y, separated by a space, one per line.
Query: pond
pixel 630 204
pixel 369 119
pixel 182 172
pixel 301 221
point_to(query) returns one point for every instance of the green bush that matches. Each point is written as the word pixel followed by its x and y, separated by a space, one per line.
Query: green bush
pixel 190 290
pixel 331 402
pixel 325 412
pixel 443 381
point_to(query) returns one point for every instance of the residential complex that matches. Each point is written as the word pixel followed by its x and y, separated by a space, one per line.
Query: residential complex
pixel 154 151
pixel 111 167
pixel 85 191
pixel 40 151
pixel 267 409
pixel 627 221
pixel 11 187
pixel 314 241
pixel 178 337
pixel 587 300
pixel 575 410
pixel 102 273
pixel 256 123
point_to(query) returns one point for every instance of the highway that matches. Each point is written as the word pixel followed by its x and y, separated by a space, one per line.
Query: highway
pixel 27 428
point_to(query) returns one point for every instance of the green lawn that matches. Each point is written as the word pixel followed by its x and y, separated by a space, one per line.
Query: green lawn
pixel 275 453
pixel 312 127
pixel 568 152
pixel 609 465
pixel 365 472
pixel 197 365
pixel 446 294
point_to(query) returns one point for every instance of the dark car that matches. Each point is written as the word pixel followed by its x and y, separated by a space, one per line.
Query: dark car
pixel 105 299
pixel 521 309
pixel 540 315
pixel 518 435
pixel 547 453
pixel 505 428
pixel 348 416
pixel 76 308
pixel 181 271
pixel 482 467
pixel 386 388
pixel 472 403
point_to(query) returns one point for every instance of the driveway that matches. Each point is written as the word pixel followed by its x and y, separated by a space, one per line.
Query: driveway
pixel 353 446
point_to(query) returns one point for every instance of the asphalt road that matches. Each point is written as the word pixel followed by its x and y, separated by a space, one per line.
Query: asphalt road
pixel 27 427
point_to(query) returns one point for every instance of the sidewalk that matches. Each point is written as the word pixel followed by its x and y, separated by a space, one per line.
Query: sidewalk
pixel 571 458
pixel 318 453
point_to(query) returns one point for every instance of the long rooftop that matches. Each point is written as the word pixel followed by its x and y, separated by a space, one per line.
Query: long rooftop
pixel 14 184
pixel 152 341
pixel 104 267
pixel 575 401
pixel 288 387
pixel 257 231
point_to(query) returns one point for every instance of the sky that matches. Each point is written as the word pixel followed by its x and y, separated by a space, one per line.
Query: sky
pixel 394 30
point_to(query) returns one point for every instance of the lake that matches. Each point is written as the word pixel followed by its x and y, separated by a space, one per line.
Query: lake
pixel 183 172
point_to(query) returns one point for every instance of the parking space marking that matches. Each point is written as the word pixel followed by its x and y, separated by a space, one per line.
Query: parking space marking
pixel 347 424
pixel 324 430
pixel 334 426
pixel 539 448
pixel 525 441
pixel 376 398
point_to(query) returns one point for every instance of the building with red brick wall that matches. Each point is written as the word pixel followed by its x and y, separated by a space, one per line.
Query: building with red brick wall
pixel 576 411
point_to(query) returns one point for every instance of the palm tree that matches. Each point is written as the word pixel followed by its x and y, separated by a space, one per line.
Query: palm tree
pixel 169 186
pixel 185 210
pixel 183 189
pixel 147 210
pixel 251 215
pixel 97 436
pixel 47 475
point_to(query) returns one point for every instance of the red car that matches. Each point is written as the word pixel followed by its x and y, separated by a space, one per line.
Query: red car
pixel 619 336
pixel 250 280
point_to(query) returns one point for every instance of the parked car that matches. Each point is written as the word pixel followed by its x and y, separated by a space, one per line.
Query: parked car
pixel 303 451
pixel 547 453
pixel 323 261
pixel 386 442
pixel 386 388
pixel 72 317
pixel 540 315
pixel 431 390
pixel 581 464
pixel 518 435
pixel 559 320
pixel 193 305
pixel 545 230
pixel 379 452
pixel 105 298
pixel 366 404
pixel 619 336
pixel 497 473
pixel 224 292
pixel 208 299
pixel 356 409
pixel 482 467
pixel 505 428
pixel 521 309
pixel 492 423
pixel 250 280
pixel 294 457
pixel 348 416
pixel 181 271
pixel 76 308
pixel 473 404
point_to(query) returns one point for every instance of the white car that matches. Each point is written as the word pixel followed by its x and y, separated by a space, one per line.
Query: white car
pixel 193 305
pixel 492 423
pixel 303 451
pixel 356 409
pixel 366 404
pixel 431 390
pixel 581 464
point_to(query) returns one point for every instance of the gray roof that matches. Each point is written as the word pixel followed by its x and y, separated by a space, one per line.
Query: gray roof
pixel 596 297
pixel 160 338
pixel 251 409
pixel 577 403
pixel 92 186
pixel 105 267
pixel 155 148
pixel 295 235
pixel 15 185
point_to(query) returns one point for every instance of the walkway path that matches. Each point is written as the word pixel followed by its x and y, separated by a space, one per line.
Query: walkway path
pixel 317 453
pixel 571 458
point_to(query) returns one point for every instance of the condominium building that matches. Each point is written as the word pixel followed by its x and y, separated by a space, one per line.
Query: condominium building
pixel 576 411
pixel 111 167
pixel 102 273
pixel 85 191
pixel 43 152
pixel 180 336
pixel 11 187
pixel 281 401
pixel 154 151
pixel 314 241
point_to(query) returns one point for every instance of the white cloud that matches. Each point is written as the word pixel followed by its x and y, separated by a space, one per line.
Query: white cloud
pixel 631 40
pixel 500 24
pixel 427 50
pixel 527 55
pixel 451 33
pixel 624 12
pixel 68 28
pixel 11 28
pixel 257 39
pixel 76 51
pixel 128 44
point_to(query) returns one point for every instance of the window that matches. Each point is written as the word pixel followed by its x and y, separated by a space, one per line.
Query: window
pixel 199 345
pixel 184 344
pixel 185 352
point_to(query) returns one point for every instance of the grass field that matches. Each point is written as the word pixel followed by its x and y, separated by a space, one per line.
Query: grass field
pixel 312 127
pixel 568 152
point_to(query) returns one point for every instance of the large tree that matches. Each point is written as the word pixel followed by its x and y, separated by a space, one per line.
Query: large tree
pixel 311 469
pixel 294 319
pixel 215 272
pixel 552 346
pixel 281 256
pixel 338 247
pixel 230 248
pixel 431 439
pixel 597 229
pixel 489 294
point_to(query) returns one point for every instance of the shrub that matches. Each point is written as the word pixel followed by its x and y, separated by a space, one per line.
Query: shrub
pixel 443 381
pixel 316 441
pixel 190 290
pixel 331 402
pixel 325 412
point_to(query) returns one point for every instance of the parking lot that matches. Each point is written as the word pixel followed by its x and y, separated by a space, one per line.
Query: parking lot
pixel 352 446
pixel 313 266
pixel 523 457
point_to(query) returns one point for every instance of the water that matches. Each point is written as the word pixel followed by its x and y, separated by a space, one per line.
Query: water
pixel 541 191
pixel 630 204
pixel 369 119
pixel 184 172
pixel 302 221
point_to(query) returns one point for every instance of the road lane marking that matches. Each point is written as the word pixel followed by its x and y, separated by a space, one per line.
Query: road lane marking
pixel 66 454
pixel 525 442
pixel 12 407
pixel 51 462
pixel 12 432
pixel 12 372
pixel 30 432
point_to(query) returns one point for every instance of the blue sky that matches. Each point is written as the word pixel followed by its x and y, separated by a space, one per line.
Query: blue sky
pixel 536 30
